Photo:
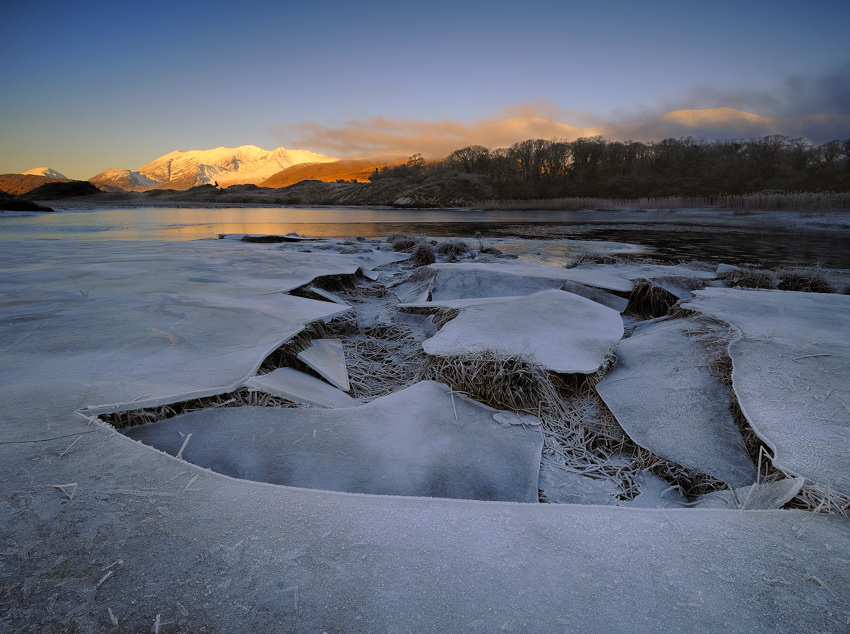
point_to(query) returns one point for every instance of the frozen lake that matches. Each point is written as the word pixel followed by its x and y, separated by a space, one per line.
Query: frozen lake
pixel 674 236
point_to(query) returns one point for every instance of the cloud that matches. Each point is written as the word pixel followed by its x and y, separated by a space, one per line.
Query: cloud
pixel 817 108
pixel 392 136
pixel 795 96
pixel 381 136
pixel 829 93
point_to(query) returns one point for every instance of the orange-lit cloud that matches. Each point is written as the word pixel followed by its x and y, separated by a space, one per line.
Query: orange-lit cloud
pixel 395 136
pixel 385 136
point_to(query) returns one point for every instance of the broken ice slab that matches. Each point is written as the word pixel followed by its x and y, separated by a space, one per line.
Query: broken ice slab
pixel 756 497
pixel 654 493
pixel 599 296
pixel 327 357
pixel 421 441
pixel 157 323
pixel 664 396
pixel 425 323
pixel 455 303
pixel 331 297
pixel 371 260
pixel 647 271
pixel 561 486
pixel 470 280
pixel 562 331
pixel 408 319
pixel 530 285
pixel 414 290
pixel 792 375
pixel 299 387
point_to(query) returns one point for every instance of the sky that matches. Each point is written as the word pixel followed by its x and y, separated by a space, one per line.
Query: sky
pixel 86 86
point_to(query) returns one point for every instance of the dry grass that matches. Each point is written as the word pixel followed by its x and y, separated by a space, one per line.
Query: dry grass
pixel 715 336
pixel 382 360
pixel 453 248
pixel 819 499
pixel 595 258
pixel 405 243
pixel 579 431
pixel 423 255
pixel 649 300
pixel 807 280
pixel 798 201
pixel 240 398
pixel 286 355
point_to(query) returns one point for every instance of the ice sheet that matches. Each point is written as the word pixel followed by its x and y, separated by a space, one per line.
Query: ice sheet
pixel 791 373
pixel 97 528
pixel 666 399
pixel 470 280
pixel 327 357
pixel 299 387
pixel 562 331
pixel 756 497
pixel 422 441
pixel 601 297
pixel 100 325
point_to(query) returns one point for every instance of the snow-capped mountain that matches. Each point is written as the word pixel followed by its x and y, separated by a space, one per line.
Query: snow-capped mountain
pixel 45 171
pixel 117 179
pixel 226 166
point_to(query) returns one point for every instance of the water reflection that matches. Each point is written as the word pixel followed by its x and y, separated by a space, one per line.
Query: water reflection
pixel 673 236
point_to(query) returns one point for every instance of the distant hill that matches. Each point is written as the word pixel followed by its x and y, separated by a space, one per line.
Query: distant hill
pixel 45 171
pixel 247 164
pixel 18 184
pixel 123 180
pixel 13 203
pixel 58 190
pixel 346 169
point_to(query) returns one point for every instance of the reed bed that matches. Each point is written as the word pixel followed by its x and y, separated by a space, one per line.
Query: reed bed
pixel 761 201
pixel 382 360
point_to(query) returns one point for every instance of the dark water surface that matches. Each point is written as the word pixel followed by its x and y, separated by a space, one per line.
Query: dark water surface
pixel 712 237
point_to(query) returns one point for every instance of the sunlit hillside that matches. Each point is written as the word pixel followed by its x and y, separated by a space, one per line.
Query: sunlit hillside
pixel 18 184
pixel 347 170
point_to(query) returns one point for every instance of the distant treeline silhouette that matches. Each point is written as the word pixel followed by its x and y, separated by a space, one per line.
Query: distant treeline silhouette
pixel 595 167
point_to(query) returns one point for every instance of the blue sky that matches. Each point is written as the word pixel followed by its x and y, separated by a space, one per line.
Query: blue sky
pixel 93 85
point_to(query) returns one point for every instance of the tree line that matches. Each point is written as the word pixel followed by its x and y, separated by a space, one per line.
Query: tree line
pixel 595 167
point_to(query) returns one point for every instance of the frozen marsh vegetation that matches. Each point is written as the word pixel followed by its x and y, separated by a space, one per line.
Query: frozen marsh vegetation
pixel 650 419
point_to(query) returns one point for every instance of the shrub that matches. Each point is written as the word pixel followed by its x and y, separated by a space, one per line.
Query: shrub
pixel 423 255
pixel 805 281
pixel 453 247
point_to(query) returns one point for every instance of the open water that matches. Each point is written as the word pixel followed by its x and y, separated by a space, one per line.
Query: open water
pixel 708 237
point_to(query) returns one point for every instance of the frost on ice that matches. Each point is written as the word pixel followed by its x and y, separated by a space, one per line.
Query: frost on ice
pixel 663 395
pixel 327 357
pixel 167 323
pixel 471 280
pixel 87 324
pixel 421 441
pixel 791 374
pixel 562 331
pixel 299 387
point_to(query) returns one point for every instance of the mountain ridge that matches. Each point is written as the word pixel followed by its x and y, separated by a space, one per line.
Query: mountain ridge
pixel 246 164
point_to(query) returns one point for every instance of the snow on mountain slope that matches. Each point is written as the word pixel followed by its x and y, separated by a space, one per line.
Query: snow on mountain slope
pixel 117 179
pixel 226 166
pixel 45 171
